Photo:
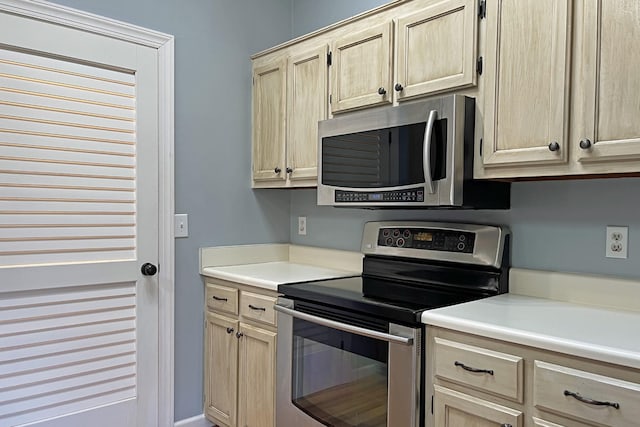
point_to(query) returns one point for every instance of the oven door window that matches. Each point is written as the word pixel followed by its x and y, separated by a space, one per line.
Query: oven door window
pixel 339 378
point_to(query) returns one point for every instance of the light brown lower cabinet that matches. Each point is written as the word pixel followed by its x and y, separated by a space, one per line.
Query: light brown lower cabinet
pixel 474 381
pixel 240 355
pixel 454 409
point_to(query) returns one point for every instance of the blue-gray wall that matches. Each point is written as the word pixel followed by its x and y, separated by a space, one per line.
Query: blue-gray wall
pixel 309 15
pixel 214 40
pixel 557 225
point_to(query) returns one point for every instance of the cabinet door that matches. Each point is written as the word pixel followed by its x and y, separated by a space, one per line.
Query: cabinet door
pixel 257 377
pixel 306 105
pixel 269 97
pixel 221 369
pixel 361 69
pixel 527 72
pixel 437 49
pixel 607 89
pixel 454 409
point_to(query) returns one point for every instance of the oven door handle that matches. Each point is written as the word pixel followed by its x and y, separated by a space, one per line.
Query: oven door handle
pixel 345 326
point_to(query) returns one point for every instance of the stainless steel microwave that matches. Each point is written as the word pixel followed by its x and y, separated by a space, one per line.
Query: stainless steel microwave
pixel 413 155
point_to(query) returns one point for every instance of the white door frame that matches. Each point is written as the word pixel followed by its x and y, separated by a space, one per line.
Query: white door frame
pixel 164 43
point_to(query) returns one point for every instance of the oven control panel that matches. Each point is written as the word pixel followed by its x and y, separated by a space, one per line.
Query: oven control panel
pixel 427 239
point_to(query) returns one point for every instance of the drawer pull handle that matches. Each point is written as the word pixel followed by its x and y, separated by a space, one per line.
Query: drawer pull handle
pixel 591 401
pixel 470 369
pixel 253 307
pixel 219 299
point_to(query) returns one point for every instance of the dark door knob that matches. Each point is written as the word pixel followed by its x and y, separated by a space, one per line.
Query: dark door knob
pixel 554 146
pixel 381 91
pixel 398 87
pixel 585 143
pixel 148 269
pixel 277 170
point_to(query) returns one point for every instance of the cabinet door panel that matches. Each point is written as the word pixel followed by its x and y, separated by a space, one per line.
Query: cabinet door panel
pixel 437 48
pixel 608 88
pixel 256 400
pixel 361 66
pixel 306 105
pixel 454 409
pixel 527 82
pixel 221 369
pixel 269 97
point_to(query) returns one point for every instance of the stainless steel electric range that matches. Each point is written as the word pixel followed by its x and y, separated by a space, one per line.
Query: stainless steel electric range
pixel 350 351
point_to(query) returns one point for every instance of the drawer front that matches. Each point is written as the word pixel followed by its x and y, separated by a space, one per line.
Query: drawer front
pixel 258 307
pixel 487 370
pixel 222 298
pixel 455 409
pixel 585 396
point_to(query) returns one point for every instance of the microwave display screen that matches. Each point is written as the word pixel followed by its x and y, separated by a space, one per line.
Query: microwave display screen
pixel 380 158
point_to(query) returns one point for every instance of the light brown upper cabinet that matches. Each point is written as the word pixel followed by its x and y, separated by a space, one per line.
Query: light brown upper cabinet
pixel 289 98
pixel 306 105
pixel 436 52
pixel 607 86
pixel 527 83
pixel 361 68
pixel 539 52
pixel 437 49
pixel 269 97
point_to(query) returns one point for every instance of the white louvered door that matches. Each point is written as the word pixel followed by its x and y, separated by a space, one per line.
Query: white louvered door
pixel 78 217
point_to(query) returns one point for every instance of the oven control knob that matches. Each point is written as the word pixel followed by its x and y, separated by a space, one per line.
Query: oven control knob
pixel 406 234
pixel 400 242
pixel 462 238
pixel 461 246
pixel 396 233
pixel 388 241
pixel 386 232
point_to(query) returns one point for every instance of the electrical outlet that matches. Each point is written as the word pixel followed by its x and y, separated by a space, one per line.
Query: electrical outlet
pixel 617 242
pixel 181 225
pixel 302 225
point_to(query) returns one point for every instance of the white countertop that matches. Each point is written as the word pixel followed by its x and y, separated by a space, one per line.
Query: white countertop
pixel 269 275
pixel 602 334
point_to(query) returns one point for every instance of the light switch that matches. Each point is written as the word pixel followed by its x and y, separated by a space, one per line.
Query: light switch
pixel 181 225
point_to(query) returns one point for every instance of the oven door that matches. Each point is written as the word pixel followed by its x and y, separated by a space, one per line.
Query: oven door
pixel 339 373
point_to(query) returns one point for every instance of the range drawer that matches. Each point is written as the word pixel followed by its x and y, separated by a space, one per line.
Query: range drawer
pixel 258 307
pixel 480 368
pixel 585 395
pixel 222 298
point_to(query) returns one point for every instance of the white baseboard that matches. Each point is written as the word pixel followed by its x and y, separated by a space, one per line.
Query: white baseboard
pixel 197 421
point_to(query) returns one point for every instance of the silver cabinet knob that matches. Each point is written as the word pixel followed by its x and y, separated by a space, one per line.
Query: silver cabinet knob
pixel 585 143
pixel 554 146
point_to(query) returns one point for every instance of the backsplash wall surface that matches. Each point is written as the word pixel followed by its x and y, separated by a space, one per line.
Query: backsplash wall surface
pixel 556 225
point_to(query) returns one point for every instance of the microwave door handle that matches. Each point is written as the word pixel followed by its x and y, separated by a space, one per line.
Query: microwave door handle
pixel 428 132
pixel 344 326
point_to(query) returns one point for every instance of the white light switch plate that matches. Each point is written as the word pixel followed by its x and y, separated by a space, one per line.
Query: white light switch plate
pixel 181 225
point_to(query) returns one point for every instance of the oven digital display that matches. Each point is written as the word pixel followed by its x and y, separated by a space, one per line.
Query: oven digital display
pixel 423 237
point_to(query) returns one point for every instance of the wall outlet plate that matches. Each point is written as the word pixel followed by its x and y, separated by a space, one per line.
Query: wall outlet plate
pixel 617 242
pixel 302 225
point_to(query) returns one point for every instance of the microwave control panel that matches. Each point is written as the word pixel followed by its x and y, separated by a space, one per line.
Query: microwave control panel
pixel 427 239
pixel 411 195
